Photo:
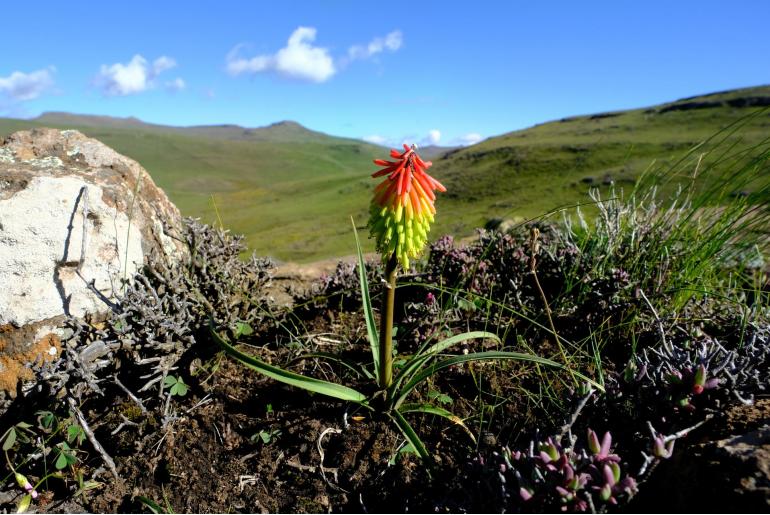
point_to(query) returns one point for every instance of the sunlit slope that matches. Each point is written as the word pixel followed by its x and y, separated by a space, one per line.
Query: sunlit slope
pixel 292 195
pixel 291 190
pixel 528 172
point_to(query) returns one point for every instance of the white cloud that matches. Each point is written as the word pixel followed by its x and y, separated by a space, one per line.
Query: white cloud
pixel 238 65
pixel 468 139
pixel 135 76
pixel 433 138
pixel 162 64
pixel 391 42
pixel 299 59
pixel 176 85
pixel 124 79
pixel 376 139
pixel 20 86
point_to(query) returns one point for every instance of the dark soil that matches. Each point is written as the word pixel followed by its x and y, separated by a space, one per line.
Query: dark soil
pixel 212 459
pixel 244 443
pixel 709 476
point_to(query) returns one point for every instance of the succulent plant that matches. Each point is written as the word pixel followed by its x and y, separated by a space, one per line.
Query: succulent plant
pixel 551 477
pixel 662 449
pixel 701 372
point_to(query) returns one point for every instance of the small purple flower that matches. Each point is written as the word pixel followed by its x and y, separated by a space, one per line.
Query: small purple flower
pixel 26 485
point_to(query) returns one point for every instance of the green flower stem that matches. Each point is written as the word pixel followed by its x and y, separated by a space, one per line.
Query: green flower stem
pixel 386 323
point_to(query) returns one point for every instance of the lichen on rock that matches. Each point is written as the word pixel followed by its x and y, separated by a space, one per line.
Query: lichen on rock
pixel 77 220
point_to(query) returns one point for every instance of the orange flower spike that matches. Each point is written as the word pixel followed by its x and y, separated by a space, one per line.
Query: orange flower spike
pixel 416 205
pixel 402 205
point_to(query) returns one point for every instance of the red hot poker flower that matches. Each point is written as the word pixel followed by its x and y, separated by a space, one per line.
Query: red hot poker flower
pixel 402 207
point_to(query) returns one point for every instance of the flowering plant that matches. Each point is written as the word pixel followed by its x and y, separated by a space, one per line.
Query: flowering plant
pixel 401 212
pixel 402 207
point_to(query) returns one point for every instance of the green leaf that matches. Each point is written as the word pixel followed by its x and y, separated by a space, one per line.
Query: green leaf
pixel 74 433
pixel 266 436
pixel 440 397
pixel 176 386
pixel 169 509
pixel 411 436
pixel 169 381
pixel 422 357
pixel 480 303
pixel 480 356
pixel 46 419
pixel 458 338
pixel 371 326
pixel 10 439
pixel 152 505
pixel 311 384
pixel 404 449
pixel 350 365
pixel 65 457
pixel 179 389
pixel 61 461
pixel 24 504
pixel 466 305
pixel 429 409
pixel 243 329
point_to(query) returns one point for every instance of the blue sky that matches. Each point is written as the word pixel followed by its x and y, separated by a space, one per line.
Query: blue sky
pixel 440 72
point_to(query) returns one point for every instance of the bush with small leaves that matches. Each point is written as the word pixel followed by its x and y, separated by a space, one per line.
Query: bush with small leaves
pixel 423 321
pixel 339 290
pixel 164 312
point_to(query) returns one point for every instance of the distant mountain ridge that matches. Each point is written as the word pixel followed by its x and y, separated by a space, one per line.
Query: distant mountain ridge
pixel 90 120
pixel 285 131
pixel 435 151
pixel 268 183
pixel 291 190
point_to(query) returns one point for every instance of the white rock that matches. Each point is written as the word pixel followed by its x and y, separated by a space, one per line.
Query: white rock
pixel 46 270
pixel 76 219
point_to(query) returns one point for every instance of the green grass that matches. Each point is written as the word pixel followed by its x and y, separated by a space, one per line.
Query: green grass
pixel 291 191
pixel 532 171
pixel 291 195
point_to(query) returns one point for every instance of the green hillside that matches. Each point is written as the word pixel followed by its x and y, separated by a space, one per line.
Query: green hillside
pixel 291 190
pixel 528 172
